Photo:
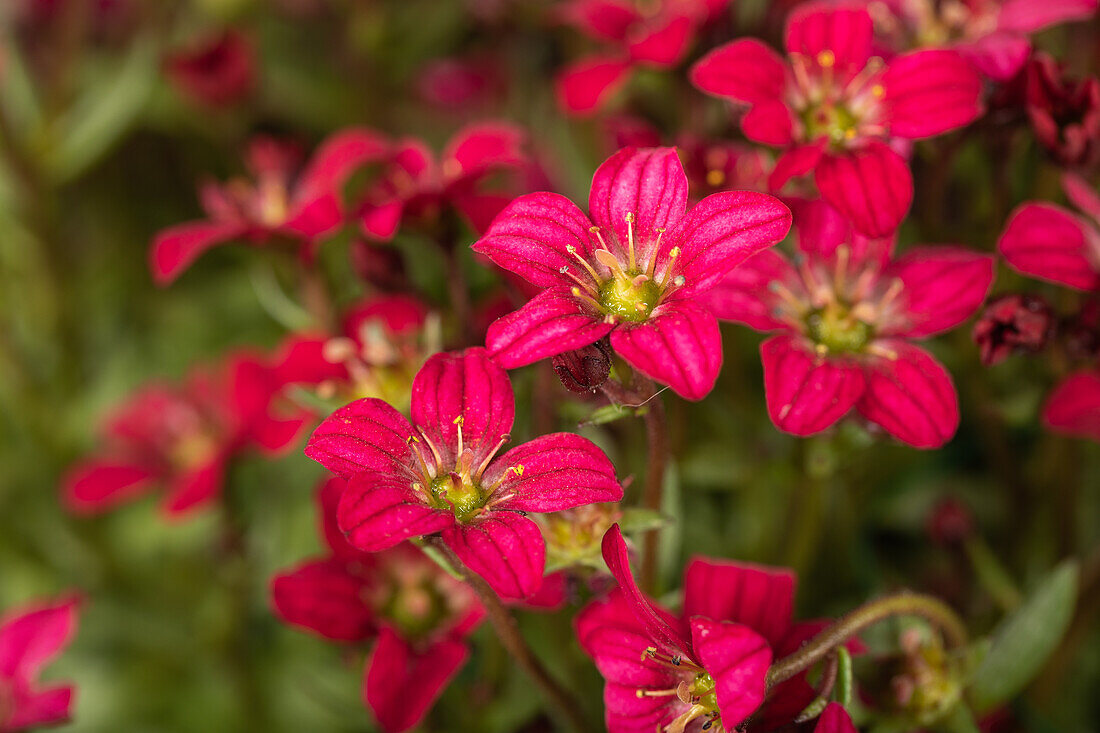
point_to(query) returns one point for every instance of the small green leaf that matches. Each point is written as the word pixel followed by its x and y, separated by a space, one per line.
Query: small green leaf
pixel 843 676
pixel 608 413
pixel 1025 639
pixel 637 519
pixel 959 720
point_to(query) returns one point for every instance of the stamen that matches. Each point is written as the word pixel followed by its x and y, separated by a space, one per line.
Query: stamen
pixel 587 298
pixel 573 251
pixel 681 723
pixel 651 268
pixel 458 421
pixel 788 298
pixel 630 237
pixel 842 258
pixel 420 457
pixel 485 464
pixel 433 449
pixel 516 469
pixel 672 255
pixel 610 261
pixel 587 285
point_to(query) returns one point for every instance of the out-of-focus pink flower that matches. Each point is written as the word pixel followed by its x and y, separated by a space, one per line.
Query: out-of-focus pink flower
pixel 1074 406
pixel 991 34
pixel 713 166
pixel 182 438
pixel 847 310
pixel 1013 323
pixel 216 71
pixel 460 84
pixel 442 475
pixel 30 637
pixel 1064 112
pixel 1052 243
pixel 635 270
pixel 657 36
pixel 417 615
pixel 415 187
pixel 280 201
pixel 839 112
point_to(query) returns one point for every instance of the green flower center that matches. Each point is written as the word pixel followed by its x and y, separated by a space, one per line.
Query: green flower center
pixel 416 609
pixel 450 492
pixel 625 298
pixel 704 688
pixel 832 120
pixel 835 329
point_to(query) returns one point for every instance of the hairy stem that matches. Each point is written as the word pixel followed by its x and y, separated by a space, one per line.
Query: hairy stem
pixel 504 624
pixel 905 603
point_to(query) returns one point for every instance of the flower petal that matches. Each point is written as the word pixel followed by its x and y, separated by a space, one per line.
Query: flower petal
pixel 402 682
pixel 176 248
pixel 326 597
pixel 648 183
pixel 721 232
pixel 834 719
pixel 743 295
pixel 99 484
pixel 679 345
pixel 1082 195
pixel 768 123
pixel 477 148
pixel 1027 16
pixel 1074 406
pixel 504 548
pixel 746 70
pixel 559 471
pixel 532 237
pixel 41 708
pixel 738 659
pixel 609 633
pixel 333 163
pixel 31 636
pixel 999 56
pixel 366 435
pixel 943 287
pixel 551 323
pixel 587 85
pixel 930 92
pixel 196 487
pixel 657 626
pixel 1050 243
pixel 794 162
pixel 872 186
pixel 463 394
pixel 807 393
pixel 759 597
pixel 377 512
pixel 817 28
pixel 911 396
pixel 662 43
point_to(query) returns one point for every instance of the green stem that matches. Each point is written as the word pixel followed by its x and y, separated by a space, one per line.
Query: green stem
pixel 905 603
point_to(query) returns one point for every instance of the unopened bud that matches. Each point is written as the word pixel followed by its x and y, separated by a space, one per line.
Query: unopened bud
pixel 950 522
pixel 1013 323
pixel 584 370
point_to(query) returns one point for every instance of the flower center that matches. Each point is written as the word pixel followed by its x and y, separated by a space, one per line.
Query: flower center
pixel 834 103
pixel 696 689
pixel 416 609
pixel 838 330
pixel 834 121
pixel 628 300
pixel 458 493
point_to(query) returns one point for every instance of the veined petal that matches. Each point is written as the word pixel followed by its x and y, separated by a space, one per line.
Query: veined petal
pixel 323 596
pixel 585 86
pixel 504 548
pixel 746 70
pixel 377 512
pixel 463 394
pixel 680 345
pixel 402 682
pixel 100 484
pixel 532 236
pixel 759 597
pixel 721 232
pixel 930 92
pixel 872 186
pixel 819 28
pixel 743 295
pixel 175 248
pixel 807 393
pixel 738 659
pixel 551 323
pixel 366 435
pixel 943 287
pixel 1074 406
pixel 559 471
pixel 1050 243
pixel 609 633
pixel 911 396
pixel 648 183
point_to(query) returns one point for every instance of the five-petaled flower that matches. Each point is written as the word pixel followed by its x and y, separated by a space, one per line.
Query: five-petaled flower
pixel 29 638
pixel 635 270
pixel 281 201
pixel 416 613
pixel 840 112
pixel 442 474
pixel 848 310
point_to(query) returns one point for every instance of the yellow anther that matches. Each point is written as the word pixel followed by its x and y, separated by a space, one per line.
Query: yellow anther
pixel 826 59
pixel 573 250
pixel 878 90
pixel 716 177
pixel 459 420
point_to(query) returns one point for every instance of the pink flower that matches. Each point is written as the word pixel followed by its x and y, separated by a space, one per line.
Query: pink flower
pixel 635 270
pixel 656 37
pixel 441 474
pixel 668 673
pixel 415 187
pixel 991 34
pixel 30 638
pixel 1013 323
pixel 839 112
pixel 218 71
pixel 417 614
pixel 280 202
pixel 182 437
pixel 847 311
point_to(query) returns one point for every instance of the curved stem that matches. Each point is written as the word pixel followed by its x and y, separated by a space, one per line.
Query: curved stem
pixel 931 609
pixel 504 624
pixel 657 447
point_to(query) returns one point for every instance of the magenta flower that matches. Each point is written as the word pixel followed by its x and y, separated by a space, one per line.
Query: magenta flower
pixel 666 673
pixel 182 438
pixel 441 474
pixel 847 312
pixel 217 71
pixel 280 202
pixel 992 34
pixel 30 638
pixel 655 37
pixel 418 616
pixel 839 112
pixel 635 270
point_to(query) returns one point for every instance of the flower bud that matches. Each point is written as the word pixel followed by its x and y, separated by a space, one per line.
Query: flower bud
pixel 584 370
pixel 1064 112
pixel 1013 323
pixel 950 522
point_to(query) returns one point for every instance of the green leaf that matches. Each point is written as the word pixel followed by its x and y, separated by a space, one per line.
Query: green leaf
pixel 609 413
pixel 1025 639
pixel 959 720
pixel 636 519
